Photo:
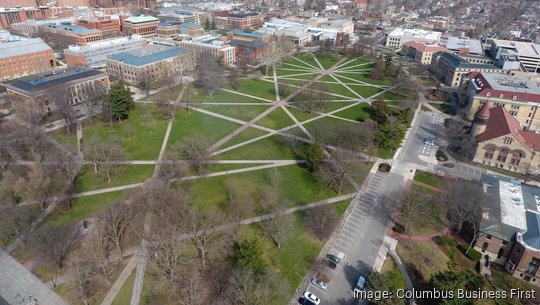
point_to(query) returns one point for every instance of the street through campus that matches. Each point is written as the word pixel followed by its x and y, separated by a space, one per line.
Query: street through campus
pixel 364 228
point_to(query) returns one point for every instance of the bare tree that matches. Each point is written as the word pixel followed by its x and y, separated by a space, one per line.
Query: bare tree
pixel 167 256
pixel 409 207
pixel 272 203
pixel 165 106
pixel 116 221
pixel 112 151
pixel 209 75
pixel 13 221
pixel 335 170
pixel 84 286
pixel 92 99
pixel 276 51
pixel 322 220
pixel 188 98
pixel 37 184
pixel 98 249
pixel 200 226
pixel 29 128
pixel 249 288
pixel 55 242
pixel 93 150
pixel 10 194
pixel 192 287
pixel 63 100
pixel 464 200
pixel 193 150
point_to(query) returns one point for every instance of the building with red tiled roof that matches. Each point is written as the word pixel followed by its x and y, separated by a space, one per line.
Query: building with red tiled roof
pixel 420 52
pixel 520 96
pixel 502 142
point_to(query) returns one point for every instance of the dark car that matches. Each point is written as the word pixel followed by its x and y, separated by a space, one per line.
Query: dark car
pixel 305 301
pixel 329 264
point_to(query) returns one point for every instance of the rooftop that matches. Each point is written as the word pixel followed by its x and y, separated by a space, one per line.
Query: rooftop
pixel 148 54
pixel 510 87
pixel 248 44
pixel 424 47
pixel 512 208
pixel 23 47
pixel 520 47
pixel 43 81
pixel 416 33
pixel 141 19
pixel 71 28
pixel 250 34
pixel 106 43
pixel 457 43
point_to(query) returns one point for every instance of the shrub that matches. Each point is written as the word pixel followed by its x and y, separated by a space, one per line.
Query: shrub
pixel 441 156
pixel 473 255
pixel 385 167
pixel 399 229
pixel 445 241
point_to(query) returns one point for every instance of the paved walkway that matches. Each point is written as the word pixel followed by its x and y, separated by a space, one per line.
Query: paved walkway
pixel 397 260
pixel 18 286
pixel 111 295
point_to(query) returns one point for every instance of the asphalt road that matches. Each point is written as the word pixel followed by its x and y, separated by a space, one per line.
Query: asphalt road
pixel 360 240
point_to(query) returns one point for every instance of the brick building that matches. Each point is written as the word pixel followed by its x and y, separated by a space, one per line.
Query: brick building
pixel 449 68
pixel 141 25
pixel 80 82
pixel 520 96
pixel 25 57
pixel 173 29
pixel 64 35
pixel 250 36
pixel 8 16
pixel 252 50
pixel 420 52
pixel 150 63
pixel 107 25
pixel 237 20
pixel 510 227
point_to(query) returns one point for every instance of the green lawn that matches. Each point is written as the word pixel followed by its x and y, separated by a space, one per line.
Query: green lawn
pixel 150 134
pixel 295 258
pixel 84 207
pixel 342 206
pixel 427 178
pixel 277 119
pixel 124 294
pixel 87 180
pixel 297 185
pixel 70 141
pixel 188 124
pixel 364 77
pixel 425 258
pixel 301 115
pixel 256 87
pixel 365 91
pixel 243 112
pixel 221 96
pixel 327 61
pixel 245 135
pixel 268 148
pixel 359 112
pixel 389 95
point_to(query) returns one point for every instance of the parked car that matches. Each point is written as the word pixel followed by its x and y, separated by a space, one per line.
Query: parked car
pixel 429 141
pixel 360 284
pixel 336 258
pixel 318 283
pixel 329 264
pixel 311 297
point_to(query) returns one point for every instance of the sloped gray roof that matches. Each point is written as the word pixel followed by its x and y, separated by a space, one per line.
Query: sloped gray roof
pixel 532 236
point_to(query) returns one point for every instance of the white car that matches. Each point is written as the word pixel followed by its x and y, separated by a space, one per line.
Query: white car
pixel 311 297
pixel 318 283
pixel 429 141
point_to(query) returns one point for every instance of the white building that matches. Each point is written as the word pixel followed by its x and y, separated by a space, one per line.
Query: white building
pixel 397 37
pixel 527 53
pixel 94 54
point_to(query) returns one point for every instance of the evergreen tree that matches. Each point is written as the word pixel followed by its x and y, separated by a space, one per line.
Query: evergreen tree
pixel 207 25
pixel 249 253
pixel 120 101
pixel 213 25
pixel 314 156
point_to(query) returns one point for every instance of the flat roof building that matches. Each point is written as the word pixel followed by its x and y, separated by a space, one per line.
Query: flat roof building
pixel 80 82
pixel 142 25
pixel 25 57
pixel 107 25
pixel 94 54
pixel 448 68
pixel 464 45
pixel 399 36
pixel 209 45
pixel 67 34
pixel 150 63
pixel 527 53
pixel 420 52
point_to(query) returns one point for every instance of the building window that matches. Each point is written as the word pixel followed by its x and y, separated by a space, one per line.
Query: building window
pixel 500 253
pixel 484 247
pixel 488 236
pixel 502 154
pixel 533 266
pixel 490 151
pixel 516 157
pixel 508 140
pixel 505 242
